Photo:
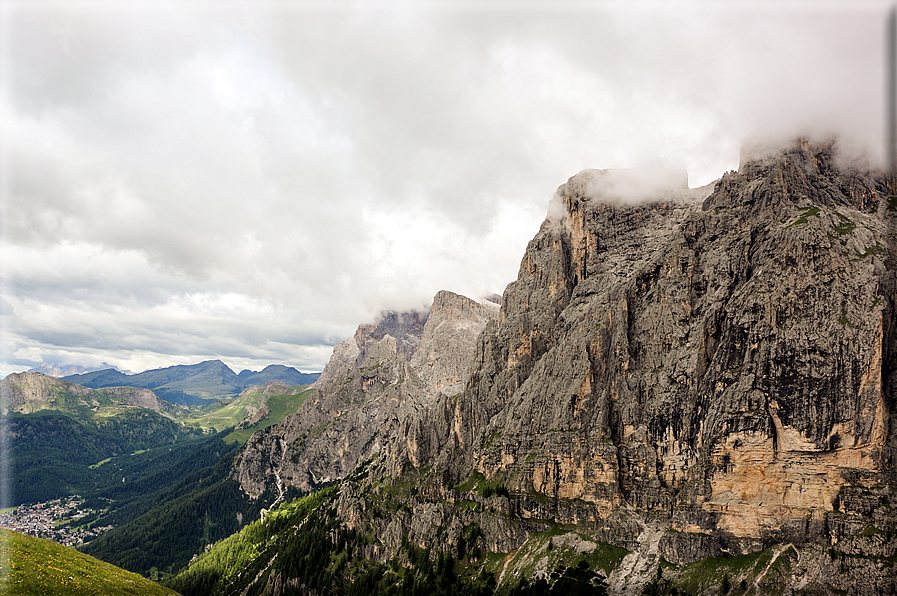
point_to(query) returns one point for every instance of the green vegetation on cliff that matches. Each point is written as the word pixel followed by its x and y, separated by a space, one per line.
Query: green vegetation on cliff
pixel 304 545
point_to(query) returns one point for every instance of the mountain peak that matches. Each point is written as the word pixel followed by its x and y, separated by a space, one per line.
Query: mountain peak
pixel 802 173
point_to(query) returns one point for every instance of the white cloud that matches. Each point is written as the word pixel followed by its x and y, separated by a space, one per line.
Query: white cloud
pixel 251 182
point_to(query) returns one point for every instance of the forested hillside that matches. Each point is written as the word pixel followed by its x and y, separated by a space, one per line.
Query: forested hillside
pixel 52 454
pixel 304 547
pixel 173 511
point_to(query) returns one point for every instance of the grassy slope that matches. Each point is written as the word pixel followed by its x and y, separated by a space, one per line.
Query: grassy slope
pixel 280 407
pixel 34 566
pixel 281 401
pixel 233 411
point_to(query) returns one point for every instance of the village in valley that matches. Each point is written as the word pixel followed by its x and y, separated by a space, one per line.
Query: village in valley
pixel 52 520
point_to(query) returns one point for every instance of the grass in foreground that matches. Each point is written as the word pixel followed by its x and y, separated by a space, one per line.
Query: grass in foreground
pixel 35 566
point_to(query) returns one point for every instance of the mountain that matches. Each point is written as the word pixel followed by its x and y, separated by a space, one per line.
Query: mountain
pixel 35 566
pixel 62 370
pixel 685 391
pixel 372 383
pixel 264 406
pixel 25 393
pixel 275 372
pixel 193 384
pixel 693 379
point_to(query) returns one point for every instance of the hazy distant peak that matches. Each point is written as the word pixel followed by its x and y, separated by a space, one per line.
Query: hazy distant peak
pixel 64 370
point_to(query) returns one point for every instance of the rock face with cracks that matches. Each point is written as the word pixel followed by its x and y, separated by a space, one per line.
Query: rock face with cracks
pixel 719 363
pixel 699 373
pixel 381 376
pixel 681 373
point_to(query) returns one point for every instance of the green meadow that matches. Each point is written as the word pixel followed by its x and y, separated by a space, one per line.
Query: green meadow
pixel 40 567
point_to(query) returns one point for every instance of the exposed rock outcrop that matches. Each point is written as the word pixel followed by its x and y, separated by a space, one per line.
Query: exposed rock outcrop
pixel 713 370
pixel 372 384
pixel 448 342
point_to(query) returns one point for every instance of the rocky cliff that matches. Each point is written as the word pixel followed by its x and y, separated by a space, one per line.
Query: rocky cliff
pixel 726 364
pixel 374 380
pixel 685 376
pixel 685 391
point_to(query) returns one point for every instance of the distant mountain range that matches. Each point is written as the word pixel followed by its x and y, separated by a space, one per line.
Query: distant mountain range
pixel 63 370
pixel 193 384
pixel 55 431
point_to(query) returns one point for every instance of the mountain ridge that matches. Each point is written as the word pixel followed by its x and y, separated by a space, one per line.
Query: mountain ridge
pixel 62 370
pixel 194 384
pixel 25 393
pixel 372 383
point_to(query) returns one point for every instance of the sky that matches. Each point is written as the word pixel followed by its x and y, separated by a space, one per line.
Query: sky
pixel 185 181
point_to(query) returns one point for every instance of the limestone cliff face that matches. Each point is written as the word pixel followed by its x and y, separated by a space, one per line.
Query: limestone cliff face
pixel 699 373
pixel 448 342
pixel 371 385
pixel 721 363
pixel 405 328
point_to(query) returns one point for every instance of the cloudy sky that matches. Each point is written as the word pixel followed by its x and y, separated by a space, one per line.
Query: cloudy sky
pixel 184 181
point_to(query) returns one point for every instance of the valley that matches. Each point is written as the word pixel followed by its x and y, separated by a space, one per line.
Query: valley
pixel 54 520
pixel 115 460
